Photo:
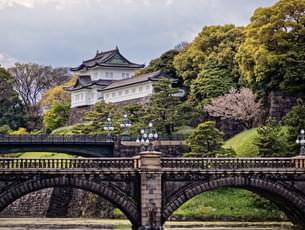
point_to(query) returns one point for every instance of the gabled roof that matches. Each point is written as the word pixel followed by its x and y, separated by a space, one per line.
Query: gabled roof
pixel 153 76
pixel 84 81
pixel 111 58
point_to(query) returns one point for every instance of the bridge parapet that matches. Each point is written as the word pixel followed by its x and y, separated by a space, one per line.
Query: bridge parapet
pixel 66 163
pixel 141 162
pixel 53 139
pixel 226 163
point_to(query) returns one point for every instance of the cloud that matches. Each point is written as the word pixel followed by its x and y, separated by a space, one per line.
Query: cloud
pixel 64 32
pixel 7 61
pixel 58 4
pixel 13 3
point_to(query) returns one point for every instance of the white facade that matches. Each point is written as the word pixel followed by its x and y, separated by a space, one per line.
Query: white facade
pixel 84 97
pixel 129 92
pixel 90 96
pixel 107 73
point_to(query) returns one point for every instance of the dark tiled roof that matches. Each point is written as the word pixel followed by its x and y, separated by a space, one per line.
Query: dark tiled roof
pixel 84 81
pixel 111 58
pixel 134 80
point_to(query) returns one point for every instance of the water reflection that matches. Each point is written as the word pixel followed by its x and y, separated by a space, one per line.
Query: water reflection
pixel 98 224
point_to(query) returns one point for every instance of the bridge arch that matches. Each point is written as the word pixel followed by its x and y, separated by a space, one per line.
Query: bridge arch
pixel 288 200
pixel 118 198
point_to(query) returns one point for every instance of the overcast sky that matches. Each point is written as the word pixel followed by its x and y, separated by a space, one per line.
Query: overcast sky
pixel 65 32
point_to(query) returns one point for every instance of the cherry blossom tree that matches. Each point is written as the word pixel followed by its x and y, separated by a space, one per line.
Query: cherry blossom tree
pixel 241 105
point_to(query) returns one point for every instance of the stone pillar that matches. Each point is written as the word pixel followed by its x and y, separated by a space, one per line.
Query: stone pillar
pixel 150 168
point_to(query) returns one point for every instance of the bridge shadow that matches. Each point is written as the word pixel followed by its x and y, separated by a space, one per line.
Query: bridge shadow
pixel 282 195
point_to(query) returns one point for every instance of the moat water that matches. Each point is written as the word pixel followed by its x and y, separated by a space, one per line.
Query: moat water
pixel 97 224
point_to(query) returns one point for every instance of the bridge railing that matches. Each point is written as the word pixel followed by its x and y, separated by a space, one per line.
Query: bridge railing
pixel 227 163
pixel 52 139
pixel 66 163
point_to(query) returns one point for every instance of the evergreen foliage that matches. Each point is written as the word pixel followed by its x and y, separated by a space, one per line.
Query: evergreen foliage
pixel 210 83
pixel 164 63
pixel 271 140
pixel 214 45
pixel 206 141
pixel 273 54
pixel 295 120
pixel 163 108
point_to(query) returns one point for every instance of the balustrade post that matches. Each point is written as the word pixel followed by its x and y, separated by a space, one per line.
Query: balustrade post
pixel 299 161
pixel 151 191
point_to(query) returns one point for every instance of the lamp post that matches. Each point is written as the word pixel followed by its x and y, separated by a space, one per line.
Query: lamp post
pixel 147 138
pixel 301 141
pixel 125 124
pixel 108 126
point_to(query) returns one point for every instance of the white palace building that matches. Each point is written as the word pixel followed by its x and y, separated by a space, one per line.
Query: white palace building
pixel 109 76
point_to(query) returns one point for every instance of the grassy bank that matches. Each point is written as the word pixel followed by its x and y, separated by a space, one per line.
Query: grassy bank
pixel 242 143
pixel 226 203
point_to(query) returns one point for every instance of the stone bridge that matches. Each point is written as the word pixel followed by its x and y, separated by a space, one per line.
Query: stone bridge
pixel 149 188
pixel 85 145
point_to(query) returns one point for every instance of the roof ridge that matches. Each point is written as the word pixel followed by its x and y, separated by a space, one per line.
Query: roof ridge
pixel 104 52
pixel 103 59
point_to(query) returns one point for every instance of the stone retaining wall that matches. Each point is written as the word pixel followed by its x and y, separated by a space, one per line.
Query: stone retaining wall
pixel 281 103
pixel 77 113
pixel 60 202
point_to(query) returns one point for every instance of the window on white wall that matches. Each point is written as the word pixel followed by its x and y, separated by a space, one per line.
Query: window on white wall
pixel 107 74
pixel 126 91
pixel 113 94
pixel 120 93
pixel 111 75
pixel 94 75
pixel 147 87
pixel 133 90
pixel 106 95
pixel 140 89
pixel 127 75
pixel 123 75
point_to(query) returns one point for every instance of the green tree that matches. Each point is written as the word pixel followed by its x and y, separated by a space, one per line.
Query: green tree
pixel 5 129
pixel 273 54
pixel 19 132
pixel 295 120
pixel 164 63
pixel 210 83
pixel 137 114
pixel 163 108
pixel 214 45
pixel 94 120
pixel 56 117
pixel 206 140
pixel 271 140
pixel 11 108
pixel 57 93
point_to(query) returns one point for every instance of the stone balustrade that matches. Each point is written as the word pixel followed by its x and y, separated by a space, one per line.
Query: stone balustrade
pixel 53 139
pixel 66 163
pixel 227 163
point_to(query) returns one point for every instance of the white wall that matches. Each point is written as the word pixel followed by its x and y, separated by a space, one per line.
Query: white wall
pixel 128 92
pixel 83 97
pixel 107 73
